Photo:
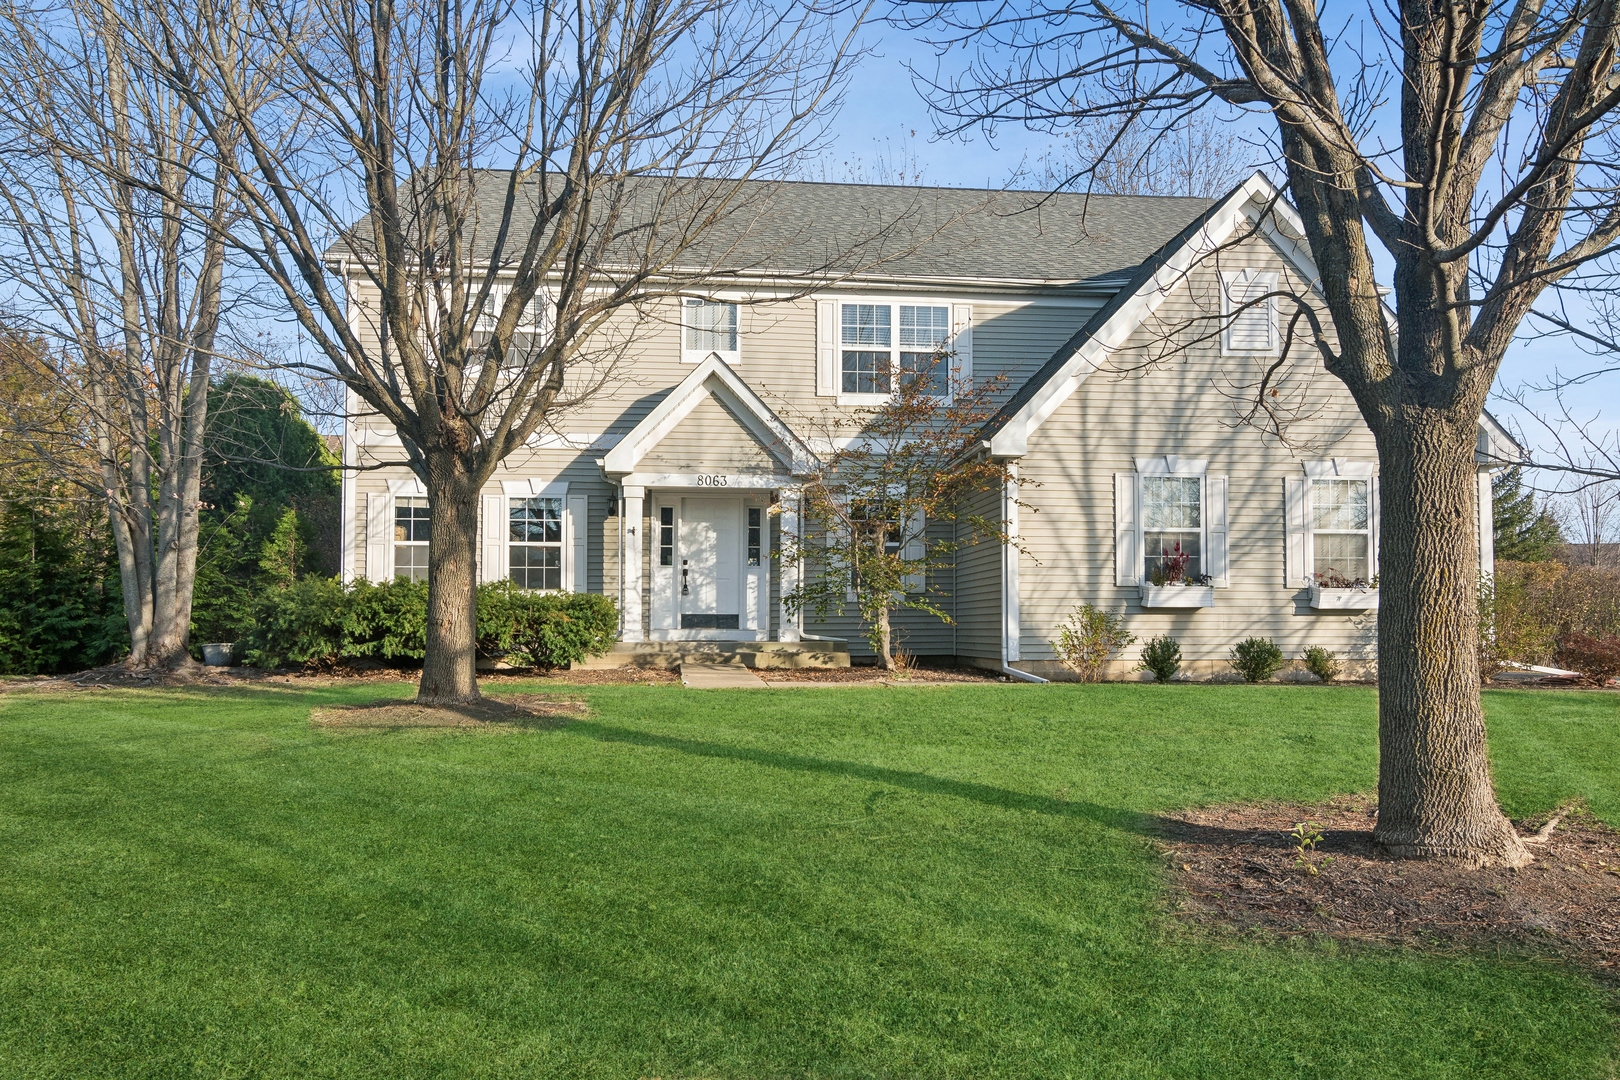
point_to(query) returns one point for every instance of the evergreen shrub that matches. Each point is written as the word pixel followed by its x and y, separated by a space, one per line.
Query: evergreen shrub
pixel 1322 663
pixel 1256 659
pixel 318 623
pixel 1162 656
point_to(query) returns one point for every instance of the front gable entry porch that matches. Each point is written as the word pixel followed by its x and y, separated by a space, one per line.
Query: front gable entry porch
pixel 697 479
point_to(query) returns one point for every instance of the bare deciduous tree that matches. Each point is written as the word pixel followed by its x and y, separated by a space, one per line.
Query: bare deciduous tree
pixel 1196 157
pixel 109 219
pixel 510 184
pixel 1492 182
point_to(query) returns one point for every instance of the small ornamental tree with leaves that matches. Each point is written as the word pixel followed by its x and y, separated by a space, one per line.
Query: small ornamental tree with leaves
pixel 899 492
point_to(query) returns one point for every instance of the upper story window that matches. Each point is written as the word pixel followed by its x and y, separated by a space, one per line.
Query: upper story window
pixel 925 334
pixel 708 327
pixel 871 353
pixel 411 523
pixel 1249 315
pixel 1341 533
pixel 1172 528
pixel 535 537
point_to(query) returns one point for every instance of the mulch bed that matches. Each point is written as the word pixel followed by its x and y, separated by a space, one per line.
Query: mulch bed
pixel 516 712
pixel 1238 867
pixel 877 676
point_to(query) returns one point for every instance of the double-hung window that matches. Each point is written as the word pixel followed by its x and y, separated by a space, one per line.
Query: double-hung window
pixel 535 556
pixel 880 343
pixel 708 327
pixel 411 537
pixel 1172 528
pixel 1341 533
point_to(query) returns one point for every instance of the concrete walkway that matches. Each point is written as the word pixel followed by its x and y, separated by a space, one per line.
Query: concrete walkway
pixel 719 677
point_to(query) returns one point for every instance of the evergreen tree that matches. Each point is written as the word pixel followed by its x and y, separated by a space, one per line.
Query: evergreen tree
pixel 1523 531
pixel 270 491
pixel 60 608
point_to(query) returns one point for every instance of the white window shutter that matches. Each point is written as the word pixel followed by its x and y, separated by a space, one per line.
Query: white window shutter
pixel 496 522
pixel 826 348
pixel 579 534
pixel 1127 559
pixel 1296 549
pixel 916 548
pixel 962 340
pixel 379 536
pixel 491 311
pixel 1219 562
pixel 1374 513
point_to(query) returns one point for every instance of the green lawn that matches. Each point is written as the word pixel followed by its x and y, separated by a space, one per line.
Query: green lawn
pixel 948 882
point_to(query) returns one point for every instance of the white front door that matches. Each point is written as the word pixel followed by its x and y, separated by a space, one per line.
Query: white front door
pixel 707 560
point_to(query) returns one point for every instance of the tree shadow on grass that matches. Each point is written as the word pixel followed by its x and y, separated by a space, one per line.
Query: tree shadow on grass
pixel 922 783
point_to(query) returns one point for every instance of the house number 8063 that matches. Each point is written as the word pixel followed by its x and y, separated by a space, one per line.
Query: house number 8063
pixel 711 480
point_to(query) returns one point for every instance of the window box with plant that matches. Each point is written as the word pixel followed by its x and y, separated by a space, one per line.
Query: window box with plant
pixel 1172 580
pixel 1334 592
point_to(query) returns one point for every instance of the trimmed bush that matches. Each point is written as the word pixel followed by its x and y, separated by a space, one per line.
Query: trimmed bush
pixel 387 621
pixel 318 623
pixel 299 626
pixel 1256 659
pixel 1162 656
pixel 1596 658
pixel 1322 663
pixel 545 630
pixel 1089 637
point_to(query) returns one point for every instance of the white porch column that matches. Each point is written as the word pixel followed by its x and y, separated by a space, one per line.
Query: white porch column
pixel 1485 505
pixel 790 569
pixel 630 548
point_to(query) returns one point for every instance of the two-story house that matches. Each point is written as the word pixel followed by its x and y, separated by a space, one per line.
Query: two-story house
pixel 1120 325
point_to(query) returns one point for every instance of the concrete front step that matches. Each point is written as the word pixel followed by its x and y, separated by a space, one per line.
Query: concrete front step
pixel 719 677
pixel 754 654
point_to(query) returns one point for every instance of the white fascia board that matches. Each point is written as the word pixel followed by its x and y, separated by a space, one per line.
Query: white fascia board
pixel 627 454
pixel 1496 447
pixel 1013 438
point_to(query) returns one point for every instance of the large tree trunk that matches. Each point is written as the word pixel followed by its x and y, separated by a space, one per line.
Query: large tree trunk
pixel 449 675
pixel 1435 796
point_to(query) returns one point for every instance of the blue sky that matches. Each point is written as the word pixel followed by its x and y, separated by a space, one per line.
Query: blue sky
pixel 883 110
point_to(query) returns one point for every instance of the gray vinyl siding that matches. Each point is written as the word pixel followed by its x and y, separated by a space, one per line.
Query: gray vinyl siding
pixel 1188 405
pixel 1012 341
pixel 978 580
pixel 917 632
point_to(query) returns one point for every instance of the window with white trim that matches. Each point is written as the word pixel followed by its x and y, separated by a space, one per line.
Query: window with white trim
pixel 1172 528
pixel 411 523
pixel 708 326
pixel 1341 533
pixel 871 350
pixel 535 542
pixel 1249 315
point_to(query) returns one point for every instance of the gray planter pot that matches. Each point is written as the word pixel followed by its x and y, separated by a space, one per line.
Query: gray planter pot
pixel 219 654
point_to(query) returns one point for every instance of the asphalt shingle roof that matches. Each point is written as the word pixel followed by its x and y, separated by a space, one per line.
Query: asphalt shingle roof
pixel 796 227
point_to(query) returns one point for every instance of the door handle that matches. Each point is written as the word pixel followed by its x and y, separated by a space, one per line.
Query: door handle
pixel 684 590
